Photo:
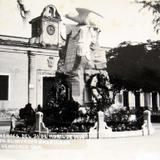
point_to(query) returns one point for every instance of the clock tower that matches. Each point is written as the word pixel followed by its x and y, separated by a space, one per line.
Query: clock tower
pixel 46 28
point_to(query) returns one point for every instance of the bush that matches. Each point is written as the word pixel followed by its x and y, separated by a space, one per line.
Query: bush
pixel 27 114
pixel 119 119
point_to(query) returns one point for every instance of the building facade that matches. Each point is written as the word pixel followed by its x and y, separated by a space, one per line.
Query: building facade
pixel 26 72
pixel 28 65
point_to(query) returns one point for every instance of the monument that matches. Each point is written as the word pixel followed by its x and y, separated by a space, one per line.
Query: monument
pixel 77 59
pixel 80 93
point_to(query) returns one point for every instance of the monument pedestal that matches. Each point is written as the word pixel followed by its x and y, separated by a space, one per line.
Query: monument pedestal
pixel 147 127
pixel 78 86
pixel 40 127
pixel 100 130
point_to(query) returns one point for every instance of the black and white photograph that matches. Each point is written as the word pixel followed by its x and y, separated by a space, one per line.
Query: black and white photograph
pixel 80 79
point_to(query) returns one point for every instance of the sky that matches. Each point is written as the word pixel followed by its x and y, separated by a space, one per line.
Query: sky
pixel 123 20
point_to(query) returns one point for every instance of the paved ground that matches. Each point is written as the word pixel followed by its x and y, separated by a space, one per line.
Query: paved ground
pixel 133 148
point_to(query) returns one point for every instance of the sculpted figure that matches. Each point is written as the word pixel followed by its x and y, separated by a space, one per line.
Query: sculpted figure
pixel 83 37
pixel 76 56
pixel 50 11
pixel 79 48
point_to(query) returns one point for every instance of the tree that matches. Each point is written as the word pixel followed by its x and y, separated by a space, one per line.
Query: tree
pixel 23 12
pixel 60 110
pixel 154 6
pixel 135 67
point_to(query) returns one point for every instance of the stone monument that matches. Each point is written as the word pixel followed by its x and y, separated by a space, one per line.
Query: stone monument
pixel 78 54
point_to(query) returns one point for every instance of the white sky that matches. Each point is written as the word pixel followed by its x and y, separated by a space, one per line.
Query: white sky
pixel 122 19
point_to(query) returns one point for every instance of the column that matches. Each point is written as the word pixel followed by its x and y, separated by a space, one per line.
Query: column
pixel 32 79
pixel 151 103
pixel 131 99
pixel 122 97
pixel 158 101
pixel 142 99
pixel 147 99
pixel 78 85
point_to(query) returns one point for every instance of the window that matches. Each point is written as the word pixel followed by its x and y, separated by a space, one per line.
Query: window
pixel 47 85
pixel 4 87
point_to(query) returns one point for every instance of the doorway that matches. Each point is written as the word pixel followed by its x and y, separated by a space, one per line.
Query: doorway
pixel 47 84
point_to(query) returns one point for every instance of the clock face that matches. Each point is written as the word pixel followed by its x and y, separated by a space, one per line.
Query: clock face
pixel 50 29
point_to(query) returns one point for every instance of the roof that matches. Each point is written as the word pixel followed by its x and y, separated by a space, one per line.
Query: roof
pixel 21 42
pixel 44 18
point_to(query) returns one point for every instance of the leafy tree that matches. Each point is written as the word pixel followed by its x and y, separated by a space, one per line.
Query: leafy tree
pixel 135 67
pixel 27 114
pixel 154 6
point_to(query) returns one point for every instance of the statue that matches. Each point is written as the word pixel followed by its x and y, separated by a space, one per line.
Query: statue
pixel 85 16
pixel 50 11
pixel 76 56
pixel 82 37
pixel 80 41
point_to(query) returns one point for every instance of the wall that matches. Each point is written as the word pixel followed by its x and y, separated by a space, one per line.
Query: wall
pixel 16 66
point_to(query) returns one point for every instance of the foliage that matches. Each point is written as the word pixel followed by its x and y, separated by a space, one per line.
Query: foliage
pixel 59 109
pixel 27 114
pixel 82 123
pixel 135 67
pixel 154 6
pixel 119 119
pixel 63 114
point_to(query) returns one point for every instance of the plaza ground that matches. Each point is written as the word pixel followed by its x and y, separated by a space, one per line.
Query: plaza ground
pixel 133 148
